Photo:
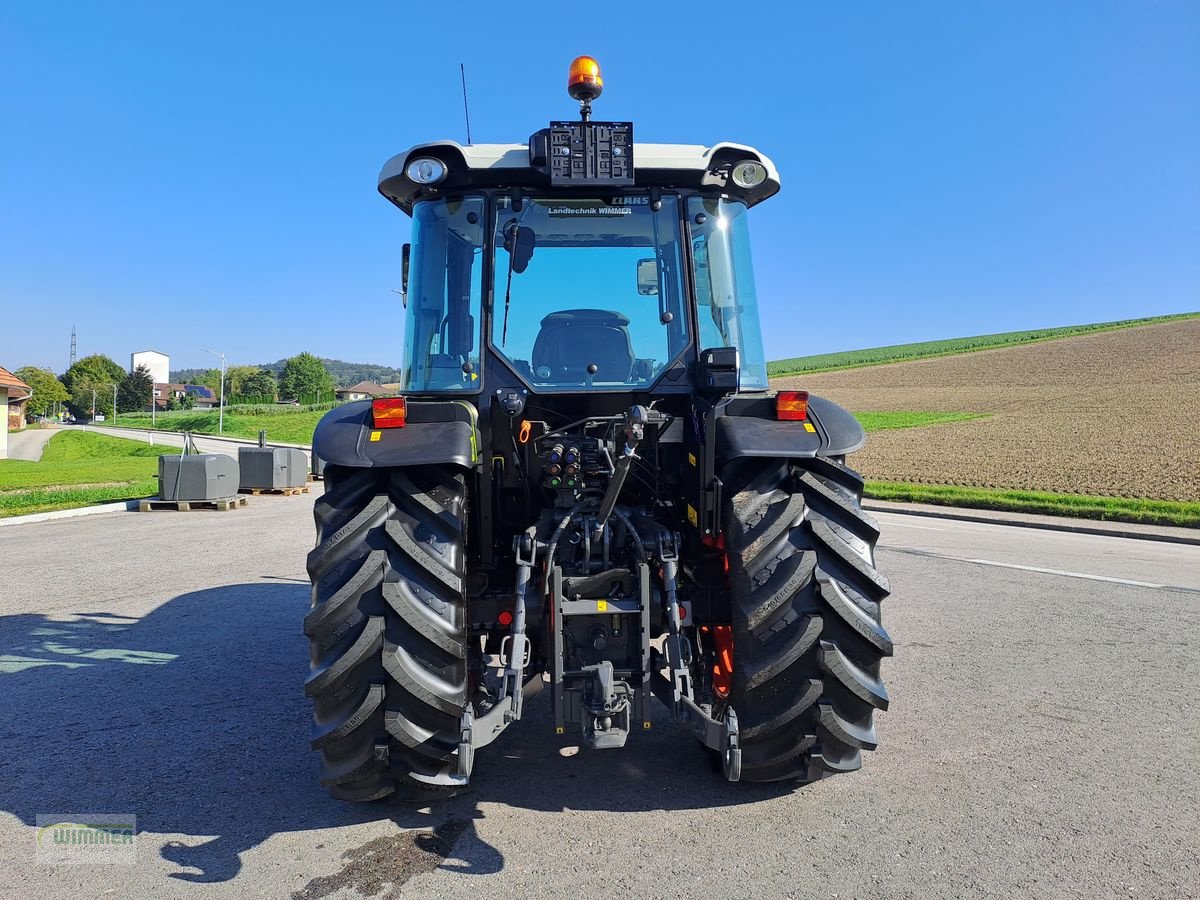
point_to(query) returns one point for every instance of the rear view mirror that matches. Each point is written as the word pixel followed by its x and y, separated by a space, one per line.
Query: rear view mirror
pixel 519 241
pixel 647 277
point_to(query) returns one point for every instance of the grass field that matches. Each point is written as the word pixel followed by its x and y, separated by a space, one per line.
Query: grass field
pixel 79 469
pixel 877 356
pixel 888 420
pixel 287 426
pixel 1117 509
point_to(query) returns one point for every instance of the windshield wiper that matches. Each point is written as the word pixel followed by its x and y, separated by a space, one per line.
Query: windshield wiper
pixel 510 245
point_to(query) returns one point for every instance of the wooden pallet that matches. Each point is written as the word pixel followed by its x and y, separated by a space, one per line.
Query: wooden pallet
pixel 187 505
pixel 286 492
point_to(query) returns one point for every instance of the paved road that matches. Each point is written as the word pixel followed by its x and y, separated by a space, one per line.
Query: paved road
pixel 1043 739
pixel 30 443
pixel 204 443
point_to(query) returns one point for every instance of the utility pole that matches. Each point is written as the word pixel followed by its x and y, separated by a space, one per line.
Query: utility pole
pixel 114 387
pixel 153 407
pixel 221 398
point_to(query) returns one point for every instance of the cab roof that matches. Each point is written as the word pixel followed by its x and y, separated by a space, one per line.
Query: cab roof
pixel 508 165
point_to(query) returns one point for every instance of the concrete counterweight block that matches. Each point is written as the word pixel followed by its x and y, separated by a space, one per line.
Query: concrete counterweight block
pixel 202 476
pixel 272 468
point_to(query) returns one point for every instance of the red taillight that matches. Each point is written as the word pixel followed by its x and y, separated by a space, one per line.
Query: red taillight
pixel 791 406
pixel 505 618
pixel 389 412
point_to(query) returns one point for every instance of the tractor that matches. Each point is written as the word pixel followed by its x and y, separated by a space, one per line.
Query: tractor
pixel 585 484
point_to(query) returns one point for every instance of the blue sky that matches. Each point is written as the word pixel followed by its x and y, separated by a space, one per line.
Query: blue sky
pixel 177 176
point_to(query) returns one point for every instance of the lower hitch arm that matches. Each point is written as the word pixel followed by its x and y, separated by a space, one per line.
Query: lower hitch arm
pixel 681 684
pixel 525 547
pixel 722 735
pixel 473 733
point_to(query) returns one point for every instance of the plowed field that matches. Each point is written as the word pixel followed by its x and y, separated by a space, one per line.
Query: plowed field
pixel 1114 414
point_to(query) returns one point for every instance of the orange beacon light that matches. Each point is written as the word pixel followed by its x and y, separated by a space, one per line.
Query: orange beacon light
pixel 583 81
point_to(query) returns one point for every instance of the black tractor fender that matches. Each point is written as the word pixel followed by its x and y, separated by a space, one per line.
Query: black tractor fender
pixel 750 428
pixel 434 433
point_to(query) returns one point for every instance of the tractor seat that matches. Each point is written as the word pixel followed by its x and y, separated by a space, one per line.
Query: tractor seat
pixel 572 339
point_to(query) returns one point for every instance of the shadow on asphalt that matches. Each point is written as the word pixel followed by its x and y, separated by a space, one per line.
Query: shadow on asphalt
pixel 194 719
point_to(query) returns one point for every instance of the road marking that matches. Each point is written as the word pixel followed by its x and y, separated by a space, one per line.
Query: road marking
pixel 910 525
pixel 1083 575
pixel 1039 570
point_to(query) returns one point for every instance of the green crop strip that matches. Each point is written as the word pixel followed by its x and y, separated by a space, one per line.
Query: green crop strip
pixel 1083 506
pixel 878 356
pixel 884 421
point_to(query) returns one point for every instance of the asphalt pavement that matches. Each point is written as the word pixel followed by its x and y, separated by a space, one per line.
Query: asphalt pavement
pixel 1043 738
pixel 30 443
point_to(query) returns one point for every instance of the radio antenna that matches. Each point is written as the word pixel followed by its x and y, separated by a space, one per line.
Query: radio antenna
pixel 462 71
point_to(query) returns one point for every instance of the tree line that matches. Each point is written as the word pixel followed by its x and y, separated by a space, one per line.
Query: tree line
pixel 94 381
pixel 343 373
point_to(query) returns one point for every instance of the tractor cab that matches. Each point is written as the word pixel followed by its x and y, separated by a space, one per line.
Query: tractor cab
pixel 580 261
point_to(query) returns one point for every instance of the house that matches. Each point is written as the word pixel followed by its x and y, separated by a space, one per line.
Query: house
pixel 165 392
pixel 157 364
pixel 14 393
pixel 364 390
pixel 204 397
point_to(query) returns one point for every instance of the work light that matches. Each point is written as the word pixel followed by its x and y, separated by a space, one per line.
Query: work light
pixel 426 170
pixel 749 174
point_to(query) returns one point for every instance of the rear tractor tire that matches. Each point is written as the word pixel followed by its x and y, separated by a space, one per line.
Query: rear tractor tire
pixel 807 637
pixel 386 631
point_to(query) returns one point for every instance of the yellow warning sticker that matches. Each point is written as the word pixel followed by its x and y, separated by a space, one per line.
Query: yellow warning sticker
pixel 692 459
pixel 558 729
pixel 809 427
pixel 646 725
pixel 601 606
pixel 693 516
pixel 375 435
